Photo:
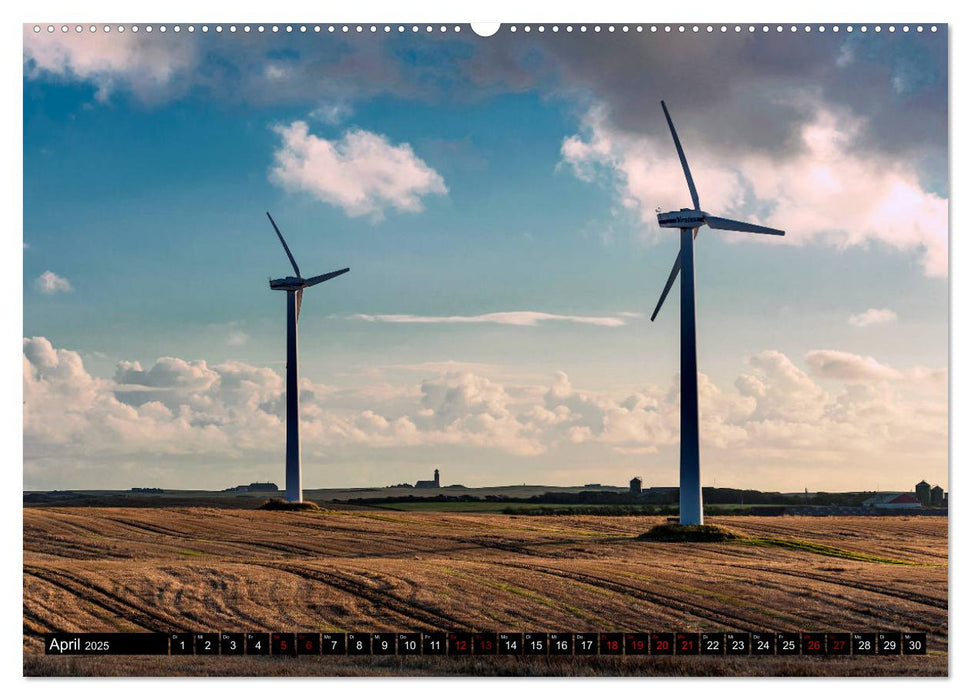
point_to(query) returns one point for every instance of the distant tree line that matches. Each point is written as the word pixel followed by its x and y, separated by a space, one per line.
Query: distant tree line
pixel 648 497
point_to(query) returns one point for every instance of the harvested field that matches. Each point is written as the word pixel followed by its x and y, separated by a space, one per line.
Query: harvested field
pixel 208 569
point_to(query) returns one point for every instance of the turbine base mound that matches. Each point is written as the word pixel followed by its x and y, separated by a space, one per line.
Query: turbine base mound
pixel 672 532
pixel 280 504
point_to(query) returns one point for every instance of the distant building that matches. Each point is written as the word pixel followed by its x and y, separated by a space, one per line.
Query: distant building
pixel 937 496
pixel 139 489
pixel 592 486
pixel 255 486
pixel 433 484
pixel 635 486
pixel 923 491
pixel 892 501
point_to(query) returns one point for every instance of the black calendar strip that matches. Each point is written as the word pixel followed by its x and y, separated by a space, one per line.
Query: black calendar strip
pixel 488 643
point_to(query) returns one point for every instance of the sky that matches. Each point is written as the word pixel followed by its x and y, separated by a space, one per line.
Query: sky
pixel 495 200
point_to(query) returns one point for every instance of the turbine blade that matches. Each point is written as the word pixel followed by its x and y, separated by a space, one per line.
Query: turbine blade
pixel 310 282
pixel 285 246
pixel 732 225
pixel 299 302
pixel 684 161
pixel 667 285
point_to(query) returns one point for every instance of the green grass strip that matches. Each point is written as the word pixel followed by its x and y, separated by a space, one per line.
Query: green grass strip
pixel 671 532
pixel 826 550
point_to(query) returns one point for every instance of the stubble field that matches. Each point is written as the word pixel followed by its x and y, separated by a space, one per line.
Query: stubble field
pixel 215 569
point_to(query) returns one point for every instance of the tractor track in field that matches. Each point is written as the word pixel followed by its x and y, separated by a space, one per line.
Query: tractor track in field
pixel 102 598
pixel 660 600
pixel 870 588
pixel 403 608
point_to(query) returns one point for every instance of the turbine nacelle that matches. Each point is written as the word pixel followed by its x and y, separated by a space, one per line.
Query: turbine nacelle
pixel 288 284
pixel 695 219
pixel 297 283
pixel 683 218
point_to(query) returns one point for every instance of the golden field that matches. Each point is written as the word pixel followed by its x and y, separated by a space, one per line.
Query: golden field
pixel 221 569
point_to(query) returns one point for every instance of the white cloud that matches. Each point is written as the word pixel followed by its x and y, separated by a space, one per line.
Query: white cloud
pixel 51 283
pixel 237 338
pixel 363 173
pixel 148 65
pixel 505 318
pixel 645 173
pixel 847 367
pixel 782 391
pixel 873 317
pixel 189 413
pixel 827 191
pixel 331 112
pixel 167 372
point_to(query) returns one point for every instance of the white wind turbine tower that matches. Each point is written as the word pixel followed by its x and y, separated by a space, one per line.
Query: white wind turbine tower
pixel 689 221
pixel 294 287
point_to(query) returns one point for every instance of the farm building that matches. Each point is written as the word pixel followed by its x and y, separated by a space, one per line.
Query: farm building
pixel 923 491
pixel 937 496
pixel 892 500
pixel 433 484
pixel 635 486
pixel 255 486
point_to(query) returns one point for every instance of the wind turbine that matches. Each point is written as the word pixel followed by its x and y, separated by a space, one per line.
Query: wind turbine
pixel 294 287
pixel 689 221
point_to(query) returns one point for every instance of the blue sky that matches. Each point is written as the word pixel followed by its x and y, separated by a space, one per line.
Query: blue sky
pixel 460 177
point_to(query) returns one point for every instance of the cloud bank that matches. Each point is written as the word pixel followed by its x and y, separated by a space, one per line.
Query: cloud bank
pixel 839 139
pixel 177 416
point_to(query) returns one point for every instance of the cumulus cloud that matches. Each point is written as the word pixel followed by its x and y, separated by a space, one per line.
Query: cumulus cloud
pixel 782 391
pixel 167 373
pixel 847 367
pixel 827 191
pixel 873 317
pixel 199 413
pixel 51 283
pixel 363 173
pixel 504 318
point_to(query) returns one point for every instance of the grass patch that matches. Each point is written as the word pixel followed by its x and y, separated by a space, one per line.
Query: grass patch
pixel 280 504
pixel 826 550
pixel 672 532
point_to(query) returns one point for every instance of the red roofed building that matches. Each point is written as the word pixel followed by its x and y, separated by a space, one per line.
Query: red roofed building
pixel 892 500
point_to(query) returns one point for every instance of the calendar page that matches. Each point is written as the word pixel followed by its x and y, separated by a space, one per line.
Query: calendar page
pixel 442 349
